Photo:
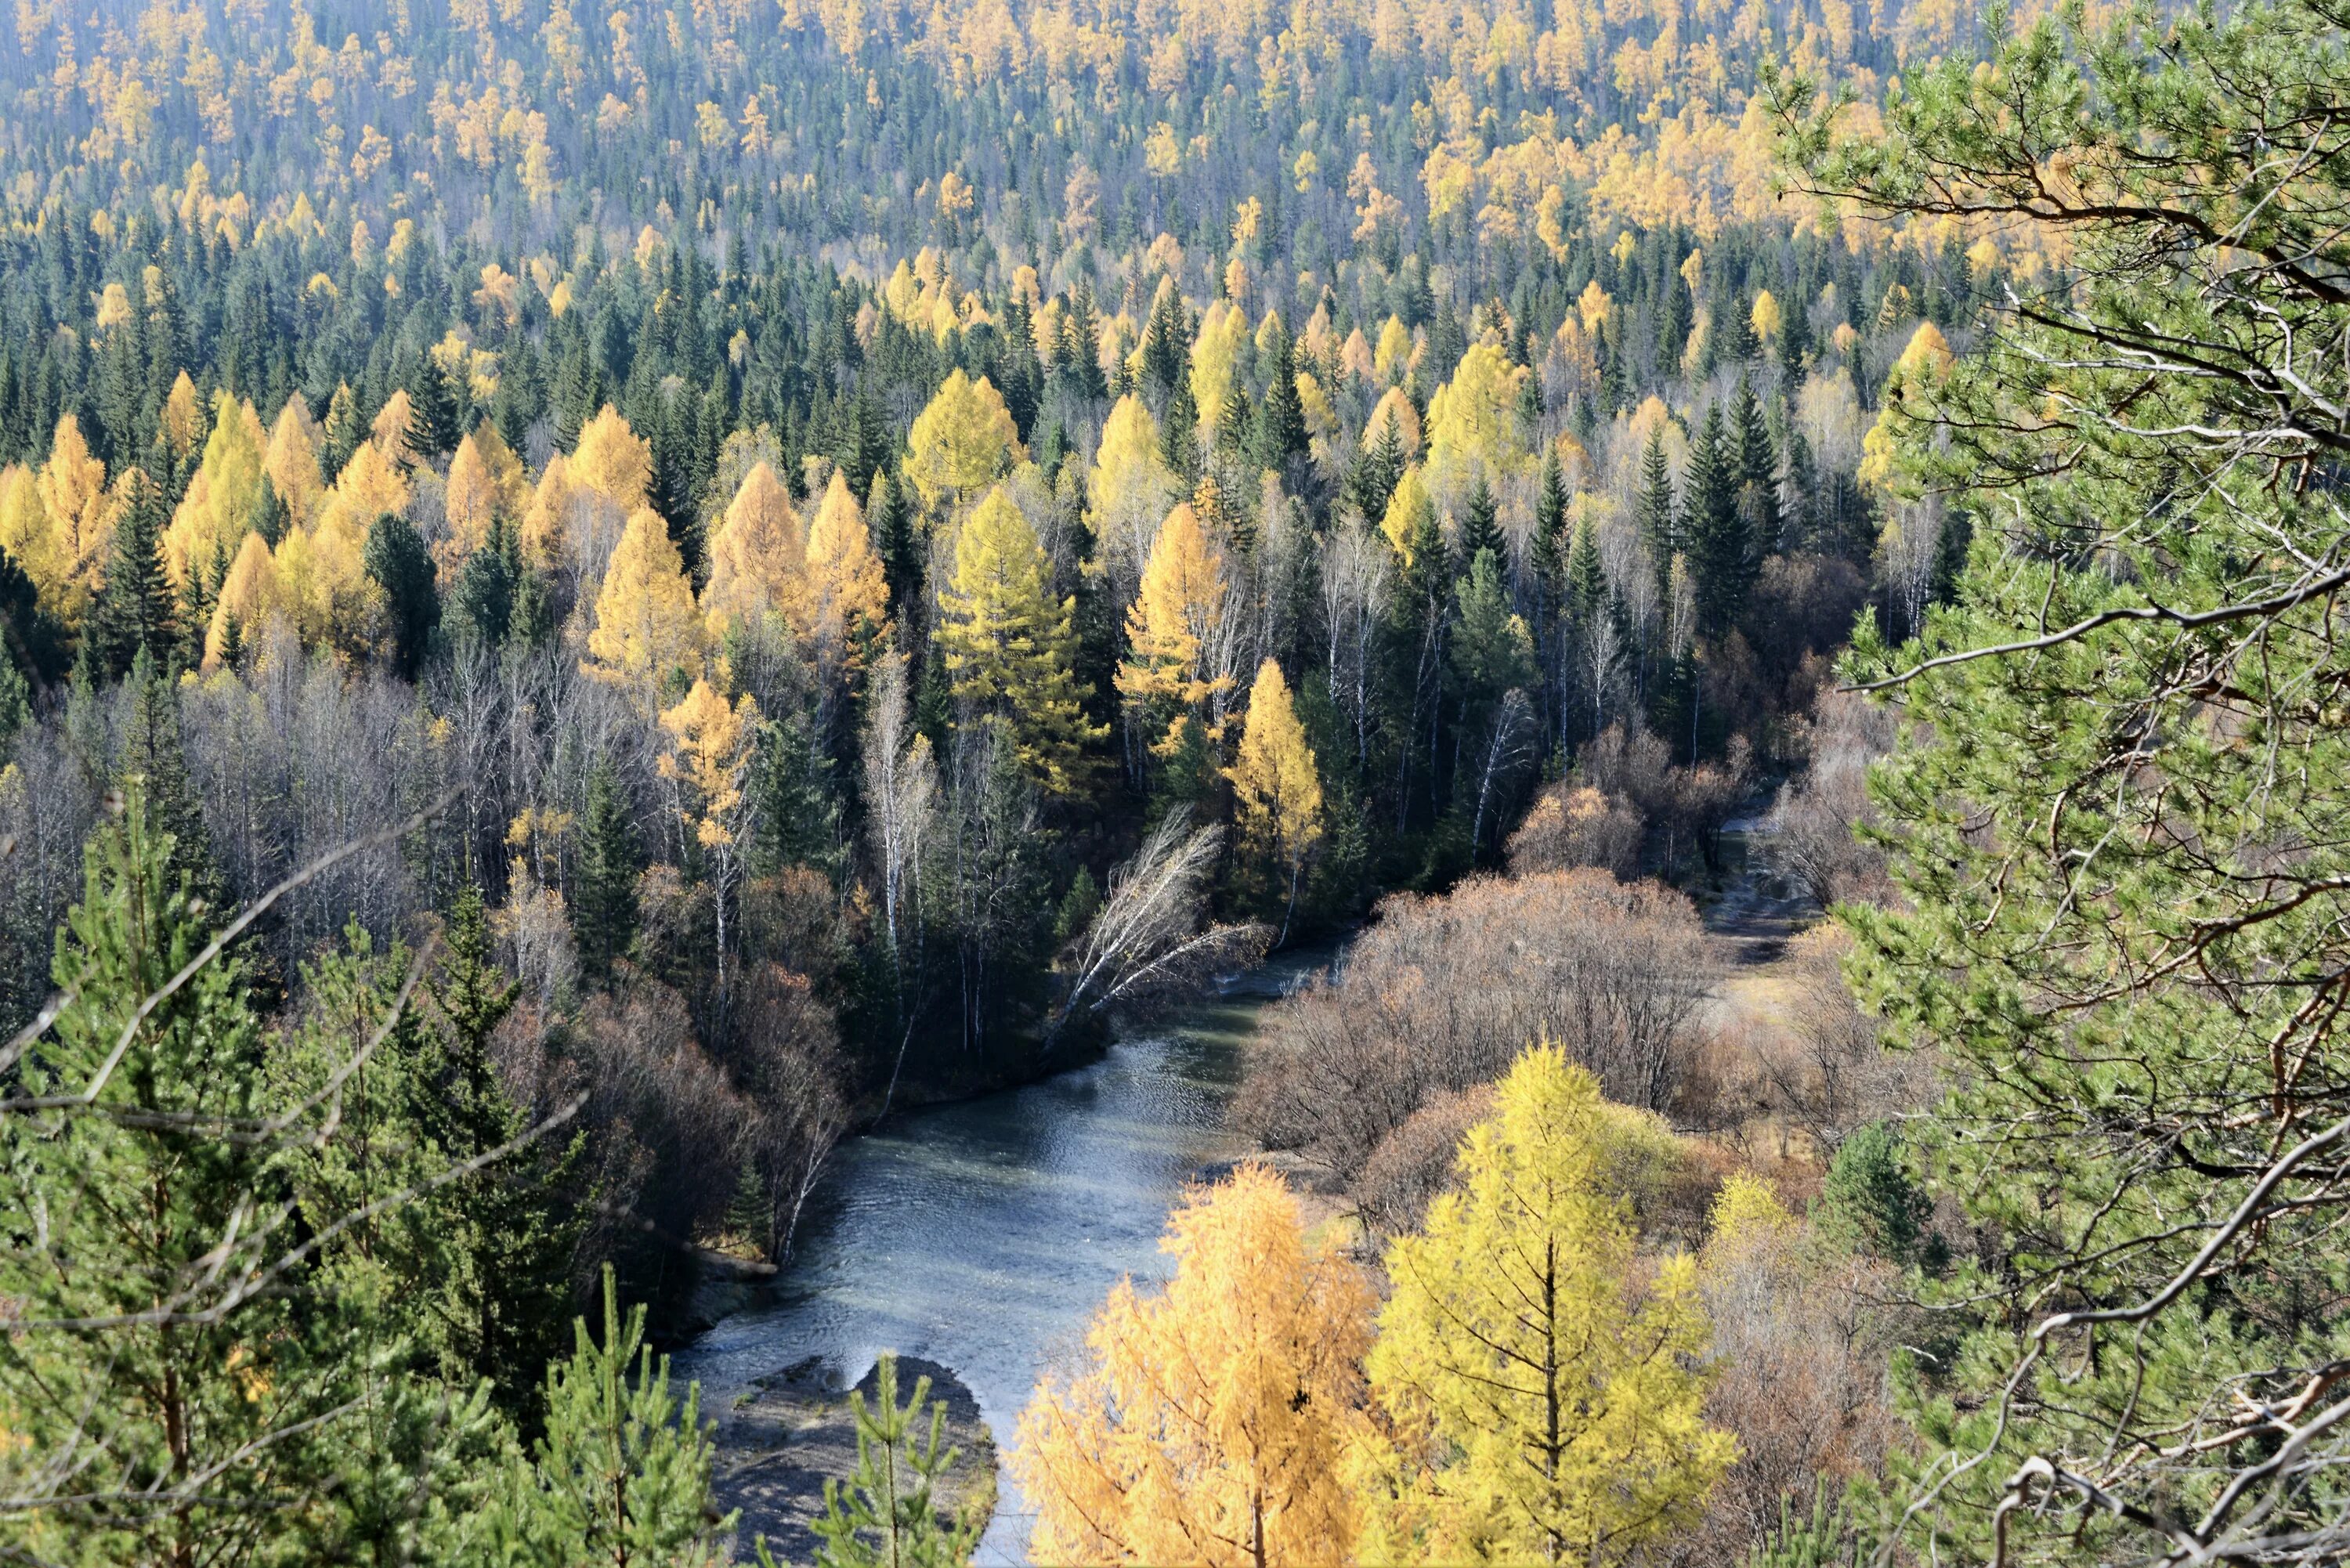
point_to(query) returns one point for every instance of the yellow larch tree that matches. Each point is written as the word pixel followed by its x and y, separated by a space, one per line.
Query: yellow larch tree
pixel 1473 420
pixel 80 510
pixel 472 500
pixel 25 531
pixel 1276 785
pixel 1391 361
pixel 1215 359
pixel 1011 645
pixel 249 594
pixel 758 559
pixel 613 461
pixel 959 442
pixel 292 461
pixel 546 520
pixel 181 419
pixel 222 497
pixel 1394 408
pixel 394 431
pixel 711 746
pixel 1408 510
pixel 845 586
pixel 1129 491
pixel 646 632
pixel 1171 626
pixel 1546 1384
pixel 1212 1420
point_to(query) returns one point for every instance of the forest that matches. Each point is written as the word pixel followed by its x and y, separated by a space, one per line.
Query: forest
pixel 596 604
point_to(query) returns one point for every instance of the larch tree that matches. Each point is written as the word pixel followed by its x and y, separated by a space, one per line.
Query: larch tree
pixel 1472 419
pixel 1411 514
pixel 1011 645
pixel 713 744
pixel 848 594
pixel 959 442
pixel 292 462
pixel 1547 1403
pixel 613 461
pixel 1212 1420
pixel 1171 626
pixel 1129 489
pixel 81 510
pixel 646 633
pixel 758 559
pixel 1276 786
pixel 221 499
pixel 247 597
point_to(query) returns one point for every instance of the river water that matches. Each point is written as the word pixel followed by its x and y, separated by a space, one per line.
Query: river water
pixel 982 1235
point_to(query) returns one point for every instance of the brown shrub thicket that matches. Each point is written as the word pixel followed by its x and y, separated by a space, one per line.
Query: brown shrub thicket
pixel 1812 843
pixel 1573 826
pixel 1825 1071
pixel 1441 995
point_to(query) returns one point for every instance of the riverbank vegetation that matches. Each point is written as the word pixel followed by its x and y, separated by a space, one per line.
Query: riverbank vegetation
pixel 590 599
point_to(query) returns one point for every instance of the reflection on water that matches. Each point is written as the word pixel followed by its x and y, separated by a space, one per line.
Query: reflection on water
pixel 982 1235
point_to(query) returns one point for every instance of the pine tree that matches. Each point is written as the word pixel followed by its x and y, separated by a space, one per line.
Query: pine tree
pixel 435 419
pixel 604 893
pixel 133 610
pixel 1550 520
pixel 623 1473
pixel 884 1516
pixel 1586 577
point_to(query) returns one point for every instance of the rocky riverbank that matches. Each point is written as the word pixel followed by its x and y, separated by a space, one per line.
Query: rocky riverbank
pixel 792 1431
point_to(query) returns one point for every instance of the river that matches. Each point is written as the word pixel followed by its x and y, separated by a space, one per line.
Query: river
pixel 983 1234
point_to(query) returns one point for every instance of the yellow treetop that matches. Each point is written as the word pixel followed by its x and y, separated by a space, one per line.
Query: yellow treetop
pixel 1394 408
pixel 1011 645
pixel 247 596
pixel 845 586
pixel 25 531
pixel 1171 626
pixel 1767 317
pixel 1129 489
pixel 547 521
pixel 1407 509
pixel 613 461
pixel 959 442
pixel 222 496
pixel 370 485
pixel 183 417
pixel 393 431
pixel 1473 418
pixel 1549 1400
pixel 1212 1421
pixel 81 511
pixel 292 461
pixel 485 483
pixel 711 749
pixel 1391 361
pixel 758 558
pixel 646 631
pixel 1277 788
pixel 1215 359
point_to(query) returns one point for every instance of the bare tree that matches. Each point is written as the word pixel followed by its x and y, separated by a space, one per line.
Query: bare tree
pixel 1150 940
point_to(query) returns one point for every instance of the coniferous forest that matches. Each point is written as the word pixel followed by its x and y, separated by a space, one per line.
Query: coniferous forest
pixel 600 603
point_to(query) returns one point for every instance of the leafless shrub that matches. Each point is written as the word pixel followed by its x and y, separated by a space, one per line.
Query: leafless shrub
pixel 1414 1163
pixel 1828 1072
pixel 1686 804
pixel 1573 826
pixel 785 1061
pixel 1813 843
pixel 1442 993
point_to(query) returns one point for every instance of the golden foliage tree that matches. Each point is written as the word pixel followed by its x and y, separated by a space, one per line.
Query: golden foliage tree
pixel 613 461
pixel 221 498
pixel 959 442
pixel 646 631
pixel 1011 645
pixel 1129 489
pixel 485 483
pixel 1408 510
pixel 758 558
pixel 81 511
pixel 1473 418
pixel 1171 626
pixel 845 586
pixel 1549 1403
pixel 292 462
pixel 247 596
pixel 1276 788
pixel 1213 1421
pixel 25 531
pixel 711 746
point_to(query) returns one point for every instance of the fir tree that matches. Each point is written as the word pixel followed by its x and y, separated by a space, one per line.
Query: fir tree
pixel 1721 562
pixel 1480 527
pixel 436 419
pixel 1378 471
pixel 1281 424
pixel 1655 512
pixel 1758 474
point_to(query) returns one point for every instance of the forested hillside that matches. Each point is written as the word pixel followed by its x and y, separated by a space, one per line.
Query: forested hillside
pixel 595 600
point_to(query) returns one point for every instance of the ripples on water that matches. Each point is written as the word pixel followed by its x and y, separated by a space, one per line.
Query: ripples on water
pixel 982 1235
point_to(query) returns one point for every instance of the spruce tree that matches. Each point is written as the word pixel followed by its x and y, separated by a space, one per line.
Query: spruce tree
pixel 1481 524
pixel 1281 424
pixel 398 562
pixel 511 1225
pixel 434 424
pixel 1721 562
pixel 133 610
pixel 604 896
pixel 1758 474
pixel 1377 471
pixel 1658 520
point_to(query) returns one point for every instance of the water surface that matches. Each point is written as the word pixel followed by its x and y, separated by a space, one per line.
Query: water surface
pixel 983 1235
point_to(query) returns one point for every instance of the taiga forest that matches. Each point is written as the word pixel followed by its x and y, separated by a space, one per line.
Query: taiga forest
pixel 1129 782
